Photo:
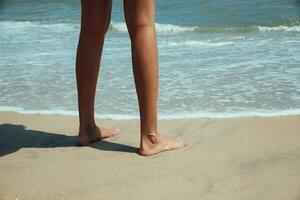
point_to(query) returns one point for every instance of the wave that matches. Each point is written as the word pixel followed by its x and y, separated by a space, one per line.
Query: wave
pixel 160 28
pixel 190 115
pixel 194 43
pixel 279 28
pixel 35 24
pixel 170 28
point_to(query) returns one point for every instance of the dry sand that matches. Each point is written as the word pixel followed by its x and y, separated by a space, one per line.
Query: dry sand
pixel 227 159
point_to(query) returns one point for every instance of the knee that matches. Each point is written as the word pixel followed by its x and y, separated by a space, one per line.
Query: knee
pixel 136 23
pixel 95 28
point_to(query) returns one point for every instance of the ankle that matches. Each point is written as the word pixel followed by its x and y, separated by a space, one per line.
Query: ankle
pixel 87 126
pixel 149 138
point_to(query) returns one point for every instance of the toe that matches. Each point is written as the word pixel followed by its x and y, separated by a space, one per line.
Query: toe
pixel 117 131
pixel 182 141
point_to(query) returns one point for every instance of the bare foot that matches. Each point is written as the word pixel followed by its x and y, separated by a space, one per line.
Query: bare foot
pixel 153 144
pixel 94 133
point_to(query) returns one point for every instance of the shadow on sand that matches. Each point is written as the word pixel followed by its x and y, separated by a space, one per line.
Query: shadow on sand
pixel 14 137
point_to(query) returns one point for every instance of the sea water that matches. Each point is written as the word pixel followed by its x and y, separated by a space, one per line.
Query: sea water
pixel 221 58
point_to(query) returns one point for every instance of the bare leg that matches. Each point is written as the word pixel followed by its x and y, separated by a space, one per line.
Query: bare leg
pixel 140 18
pixel 95 19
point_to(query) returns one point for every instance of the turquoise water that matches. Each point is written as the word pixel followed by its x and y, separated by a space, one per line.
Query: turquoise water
pixel 217 59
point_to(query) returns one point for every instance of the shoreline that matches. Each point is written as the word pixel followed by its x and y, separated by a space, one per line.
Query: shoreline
pixel 199 115
pixel 234 158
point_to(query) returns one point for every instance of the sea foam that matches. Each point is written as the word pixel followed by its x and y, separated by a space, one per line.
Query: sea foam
pixel 188 115
pixel 194 43
pixel 160 28
pixel 279 28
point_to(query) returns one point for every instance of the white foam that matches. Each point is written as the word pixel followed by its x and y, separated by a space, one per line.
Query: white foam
pixel 26 111
pixel 160 28
pixel 170 28
pixel 279 28
pixel 190 115
pixel 216 115
pixel 64 112
pixel 115 26
pixel 194 43
pixel 22 24
pixel 291 42
pixel 118 26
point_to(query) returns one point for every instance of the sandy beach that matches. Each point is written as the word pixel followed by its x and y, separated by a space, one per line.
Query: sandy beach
pixel 234 158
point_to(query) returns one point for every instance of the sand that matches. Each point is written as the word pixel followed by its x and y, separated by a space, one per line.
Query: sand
pixel 240 158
